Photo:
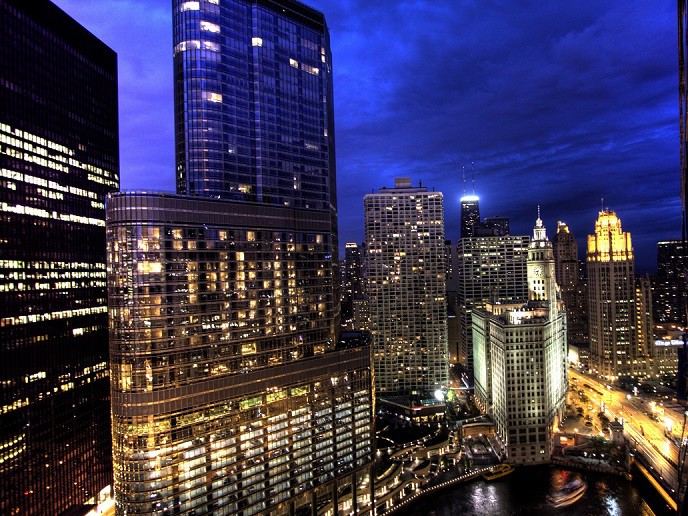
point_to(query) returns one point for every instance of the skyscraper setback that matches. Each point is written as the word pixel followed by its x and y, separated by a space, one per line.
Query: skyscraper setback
pixel 59 158
pixel 230 390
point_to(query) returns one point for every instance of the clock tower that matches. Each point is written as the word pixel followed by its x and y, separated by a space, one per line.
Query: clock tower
pixel 541 280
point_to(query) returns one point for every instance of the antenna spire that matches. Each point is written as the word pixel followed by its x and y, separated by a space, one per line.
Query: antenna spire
pixel 464 178
pixel 473 174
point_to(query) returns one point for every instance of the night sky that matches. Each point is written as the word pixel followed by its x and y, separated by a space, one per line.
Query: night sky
pixel 557 103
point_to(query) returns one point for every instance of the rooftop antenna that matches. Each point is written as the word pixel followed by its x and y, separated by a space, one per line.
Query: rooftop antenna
pixel 463 167
pixel 473 175
pixel 539 211
pixel 601 203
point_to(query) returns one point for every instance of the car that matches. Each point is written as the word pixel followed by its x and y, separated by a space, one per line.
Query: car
pixel 588 423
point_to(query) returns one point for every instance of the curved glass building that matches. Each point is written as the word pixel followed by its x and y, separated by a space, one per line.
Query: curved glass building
pixel 231 393
pixel 253 102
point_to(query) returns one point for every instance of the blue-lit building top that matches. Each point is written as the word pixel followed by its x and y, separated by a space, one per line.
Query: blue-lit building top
pixel 470 214
pixel 253 102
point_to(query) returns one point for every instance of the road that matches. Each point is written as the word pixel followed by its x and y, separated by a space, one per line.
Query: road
pixel 648 434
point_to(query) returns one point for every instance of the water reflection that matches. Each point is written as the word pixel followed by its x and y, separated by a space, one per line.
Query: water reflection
pixel 524 493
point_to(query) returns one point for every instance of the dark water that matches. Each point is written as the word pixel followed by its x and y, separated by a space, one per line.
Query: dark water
pixel 524 493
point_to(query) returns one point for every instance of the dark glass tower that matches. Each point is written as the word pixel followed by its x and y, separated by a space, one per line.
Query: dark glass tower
pixel 667 302
pixel 470 215
pixel 58 161
pixel 253 102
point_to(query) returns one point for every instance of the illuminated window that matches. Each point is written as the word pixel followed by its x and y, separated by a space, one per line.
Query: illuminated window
pixel 209 45
pixel 257 42
pixel 190 6
pixel 212 96
pixel 210 27
pixel 293 63
pixel 310 69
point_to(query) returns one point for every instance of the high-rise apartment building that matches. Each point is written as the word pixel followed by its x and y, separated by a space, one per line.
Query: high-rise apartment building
pixel 470 214
pixel 611 298
pixel 566 258
pixel 231 393
pixel 489 269
pixel 668 305
pixel 568 278
pixel 405 282
pixel 520 360
pixel 59 158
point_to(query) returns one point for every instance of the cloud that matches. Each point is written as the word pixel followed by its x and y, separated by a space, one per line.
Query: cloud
pixel 557 103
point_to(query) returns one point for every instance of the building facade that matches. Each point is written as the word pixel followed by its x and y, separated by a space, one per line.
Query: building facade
pixel 500 226
pixel 614 347
pixel 489 269
pixel 253 97
pixel 405 282
pixel 520 360
pixel 670 282
pixel 229 392
pixel 572 289
pixel 59 158
pixel 353 282
pixel 644 324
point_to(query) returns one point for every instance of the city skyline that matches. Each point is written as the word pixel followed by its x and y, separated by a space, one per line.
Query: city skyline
pixel 208 340
pixel 535 103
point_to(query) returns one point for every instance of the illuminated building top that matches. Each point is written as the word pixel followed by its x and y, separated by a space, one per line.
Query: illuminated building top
pixel 610 242
pixel 612 307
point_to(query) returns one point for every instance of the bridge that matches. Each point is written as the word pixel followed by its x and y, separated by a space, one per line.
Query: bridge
pixel 659 471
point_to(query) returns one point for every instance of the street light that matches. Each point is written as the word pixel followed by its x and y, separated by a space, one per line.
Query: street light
pixel 669 424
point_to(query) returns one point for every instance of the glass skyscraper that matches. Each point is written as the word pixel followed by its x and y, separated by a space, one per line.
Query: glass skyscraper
pixel 231 391
pixel 253 102
pixel 470 215
pixel 58 160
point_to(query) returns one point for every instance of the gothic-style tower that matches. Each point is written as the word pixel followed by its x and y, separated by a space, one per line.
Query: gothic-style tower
pixel 541 278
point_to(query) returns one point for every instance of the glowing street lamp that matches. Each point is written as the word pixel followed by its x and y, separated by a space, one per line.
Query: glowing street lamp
pixel 669 424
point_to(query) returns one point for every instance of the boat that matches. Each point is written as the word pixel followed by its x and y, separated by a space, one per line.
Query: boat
pixel 498 471
pixel 569 494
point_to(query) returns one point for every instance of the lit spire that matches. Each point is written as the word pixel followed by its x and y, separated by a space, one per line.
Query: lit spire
pixel 539 231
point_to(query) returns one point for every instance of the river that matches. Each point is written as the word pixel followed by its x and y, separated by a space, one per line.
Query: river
pixel 524 493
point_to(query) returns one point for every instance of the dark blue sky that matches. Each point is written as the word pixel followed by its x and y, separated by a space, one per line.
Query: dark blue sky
pixel 557 103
